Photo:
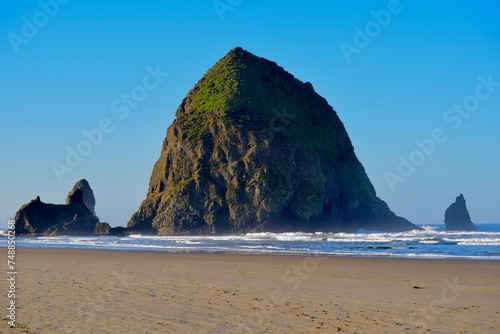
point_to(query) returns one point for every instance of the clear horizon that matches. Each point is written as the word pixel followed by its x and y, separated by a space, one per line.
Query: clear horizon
pixel 417 86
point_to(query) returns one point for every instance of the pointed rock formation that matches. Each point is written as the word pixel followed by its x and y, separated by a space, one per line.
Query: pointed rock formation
pixel 88 194
pixel 74 218
pixel 457 218
pixel 254 149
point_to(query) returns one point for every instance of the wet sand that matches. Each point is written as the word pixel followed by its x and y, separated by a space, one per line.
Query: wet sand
pixel 100 291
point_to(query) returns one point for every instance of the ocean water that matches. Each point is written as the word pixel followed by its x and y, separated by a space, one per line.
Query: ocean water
pixel 432 242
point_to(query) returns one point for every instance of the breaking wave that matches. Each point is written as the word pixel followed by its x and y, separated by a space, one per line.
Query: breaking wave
pixel 431 242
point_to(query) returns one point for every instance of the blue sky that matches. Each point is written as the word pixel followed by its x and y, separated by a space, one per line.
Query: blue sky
pixel 396 72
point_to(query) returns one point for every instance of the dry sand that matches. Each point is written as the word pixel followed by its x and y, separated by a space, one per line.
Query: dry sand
pixel 94 291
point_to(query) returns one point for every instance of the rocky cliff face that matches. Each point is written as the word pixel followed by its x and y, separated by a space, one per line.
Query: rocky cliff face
pixel 254 149
pixel 457 218
pixel 74 217
pixel 88 194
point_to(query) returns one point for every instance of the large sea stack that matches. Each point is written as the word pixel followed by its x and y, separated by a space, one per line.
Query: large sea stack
pixel 253 148
pixel 457 218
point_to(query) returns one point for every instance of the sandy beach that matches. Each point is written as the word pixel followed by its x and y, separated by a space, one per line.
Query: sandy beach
pixel 98 291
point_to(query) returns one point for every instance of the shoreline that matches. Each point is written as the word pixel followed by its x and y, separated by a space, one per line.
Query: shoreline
pixel 432 243
pixel 271 253
pixel 277 254
pixel 116 291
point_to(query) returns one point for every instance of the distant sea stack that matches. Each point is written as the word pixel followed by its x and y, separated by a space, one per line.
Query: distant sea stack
pixel 252 148
pixel 457 218
pixel 73 218
pixel 88 194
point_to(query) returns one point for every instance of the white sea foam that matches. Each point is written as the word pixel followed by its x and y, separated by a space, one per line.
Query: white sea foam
pixel 431 241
